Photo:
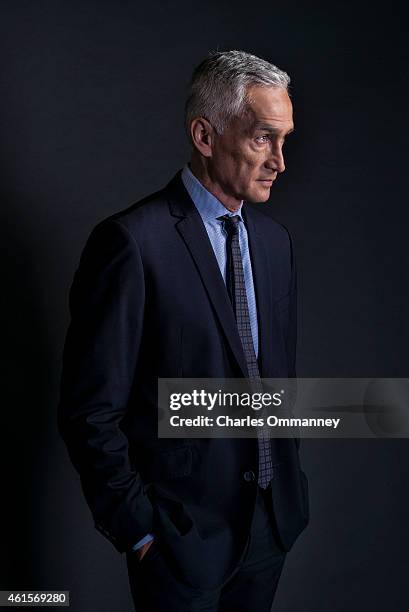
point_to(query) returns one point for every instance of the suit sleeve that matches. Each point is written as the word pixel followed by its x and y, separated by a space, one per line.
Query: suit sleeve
pixel 99 361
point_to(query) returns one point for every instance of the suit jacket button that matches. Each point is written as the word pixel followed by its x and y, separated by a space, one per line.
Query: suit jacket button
pixel 249 476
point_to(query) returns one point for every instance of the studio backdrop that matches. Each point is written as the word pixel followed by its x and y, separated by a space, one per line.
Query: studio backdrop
pixel 92 98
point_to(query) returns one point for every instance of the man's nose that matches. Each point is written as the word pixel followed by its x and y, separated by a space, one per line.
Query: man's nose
pixel 275 160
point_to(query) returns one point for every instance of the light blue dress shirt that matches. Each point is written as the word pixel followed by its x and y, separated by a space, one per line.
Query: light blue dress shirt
pixel 210 208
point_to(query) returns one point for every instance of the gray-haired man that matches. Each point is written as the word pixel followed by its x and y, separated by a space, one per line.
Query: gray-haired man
pixel 191 282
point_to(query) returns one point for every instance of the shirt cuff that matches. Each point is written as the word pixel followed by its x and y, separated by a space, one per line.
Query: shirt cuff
pixel 144 540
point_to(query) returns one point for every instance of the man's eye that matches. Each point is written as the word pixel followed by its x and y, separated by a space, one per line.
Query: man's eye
pixel 262 139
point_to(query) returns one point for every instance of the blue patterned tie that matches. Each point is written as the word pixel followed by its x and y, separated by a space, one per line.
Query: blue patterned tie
pixel 236 288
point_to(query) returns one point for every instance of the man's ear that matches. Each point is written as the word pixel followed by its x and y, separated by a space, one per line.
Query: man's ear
pixel 202 134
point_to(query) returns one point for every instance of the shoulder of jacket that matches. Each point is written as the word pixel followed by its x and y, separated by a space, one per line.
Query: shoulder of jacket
pixel 267 224
pixel 144 214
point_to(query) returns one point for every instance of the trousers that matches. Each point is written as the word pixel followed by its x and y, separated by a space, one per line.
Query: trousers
pixel 250 588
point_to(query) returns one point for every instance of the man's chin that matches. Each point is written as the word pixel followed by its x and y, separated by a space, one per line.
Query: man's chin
pixel 259 196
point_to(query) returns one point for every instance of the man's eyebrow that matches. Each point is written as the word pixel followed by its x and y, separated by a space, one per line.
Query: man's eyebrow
pixel 268 128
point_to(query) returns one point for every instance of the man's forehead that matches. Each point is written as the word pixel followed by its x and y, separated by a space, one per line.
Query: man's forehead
pixel 270 108
pixel 265 126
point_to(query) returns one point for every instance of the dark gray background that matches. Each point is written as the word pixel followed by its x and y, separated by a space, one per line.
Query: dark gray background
pixel 91 111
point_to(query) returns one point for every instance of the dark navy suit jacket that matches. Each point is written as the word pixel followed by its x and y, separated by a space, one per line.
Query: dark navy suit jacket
pixel 148 301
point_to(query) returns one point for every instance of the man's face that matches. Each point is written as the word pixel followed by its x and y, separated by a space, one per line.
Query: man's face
pixel 247 157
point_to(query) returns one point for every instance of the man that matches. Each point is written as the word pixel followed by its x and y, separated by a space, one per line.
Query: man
pixel 190 282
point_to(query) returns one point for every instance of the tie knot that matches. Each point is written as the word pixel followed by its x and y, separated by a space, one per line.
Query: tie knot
pixel 231 224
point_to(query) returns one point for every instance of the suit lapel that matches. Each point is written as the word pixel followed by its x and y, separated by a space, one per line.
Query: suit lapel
pixel 193 232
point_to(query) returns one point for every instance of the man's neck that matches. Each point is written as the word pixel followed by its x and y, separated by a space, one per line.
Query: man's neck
pixel 200 172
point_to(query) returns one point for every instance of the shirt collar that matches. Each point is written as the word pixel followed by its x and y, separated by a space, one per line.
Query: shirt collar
pixel 208 206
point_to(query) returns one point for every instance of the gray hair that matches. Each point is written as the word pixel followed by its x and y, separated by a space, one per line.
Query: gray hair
pixel 219 85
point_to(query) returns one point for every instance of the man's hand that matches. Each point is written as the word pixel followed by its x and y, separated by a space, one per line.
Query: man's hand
pixel 141 552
